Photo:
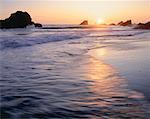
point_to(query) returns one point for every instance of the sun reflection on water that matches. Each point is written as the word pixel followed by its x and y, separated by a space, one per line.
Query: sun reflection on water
pixel 100 52
pixel 110 91
pixel 104 76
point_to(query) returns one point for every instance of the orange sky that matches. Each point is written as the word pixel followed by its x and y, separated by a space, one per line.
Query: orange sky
pixel 73 12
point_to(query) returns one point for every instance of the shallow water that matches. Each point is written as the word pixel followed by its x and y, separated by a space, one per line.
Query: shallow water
pixel 74 73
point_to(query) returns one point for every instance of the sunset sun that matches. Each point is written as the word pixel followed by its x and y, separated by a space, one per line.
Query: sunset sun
pixel 99 21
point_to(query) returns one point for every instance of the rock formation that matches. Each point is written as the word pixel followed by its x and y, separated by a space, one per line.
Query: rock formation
pixel 112 24
pixel 85 22
pixel 120 23
pixel 37 25
pixel 127 23
pixel 143 26
pixel 17 20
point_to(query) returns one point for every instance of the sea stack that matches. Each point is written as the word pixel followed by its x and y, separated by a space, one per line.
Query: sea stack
pixel 112 24
pixel 126 23
pixel 120 23
pixel 143 26
pixel 37 25
pixel 18 19
pixel 85 22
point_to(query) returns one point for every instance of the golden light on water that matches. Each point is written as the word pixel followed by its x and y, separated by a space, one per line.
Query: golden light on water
pixel 97 70
pixel 101 52
pixel 105 80
pixel 107 86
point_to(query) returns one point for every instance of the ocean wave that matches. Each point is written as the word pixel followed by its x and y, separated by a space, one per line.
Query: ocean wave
pixel 122 35
pixel 28 37
pixel 15 42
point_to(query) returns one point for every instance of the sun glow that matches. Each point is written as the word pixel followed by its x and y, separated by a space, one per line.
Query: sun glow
pixel 99 21
pixel 74 11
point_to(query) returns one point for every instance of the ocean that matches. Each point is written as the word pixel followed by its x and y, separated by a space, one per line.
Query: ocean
pixel 72 72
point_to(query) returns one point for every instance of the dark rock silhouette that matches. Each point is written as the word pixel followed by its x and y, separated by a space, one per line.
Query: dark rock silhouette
pixel 112 24
pixel 18 20
pixel 120 23
pixel 127 23
pixel 37 25
pixel 85 22
pixel 143 26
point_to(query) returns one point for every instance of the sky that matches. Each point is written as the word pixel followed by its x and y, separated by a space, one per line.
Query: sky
pixel 74 11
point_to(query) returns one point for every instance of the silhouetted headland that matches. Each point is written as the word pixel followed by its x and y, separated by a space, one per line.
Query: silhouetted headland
pixel 85 22
pixel 18 20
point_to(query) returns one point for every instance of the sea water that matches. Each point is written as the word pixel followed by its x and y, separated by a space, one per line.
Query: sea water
pixel 73 73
